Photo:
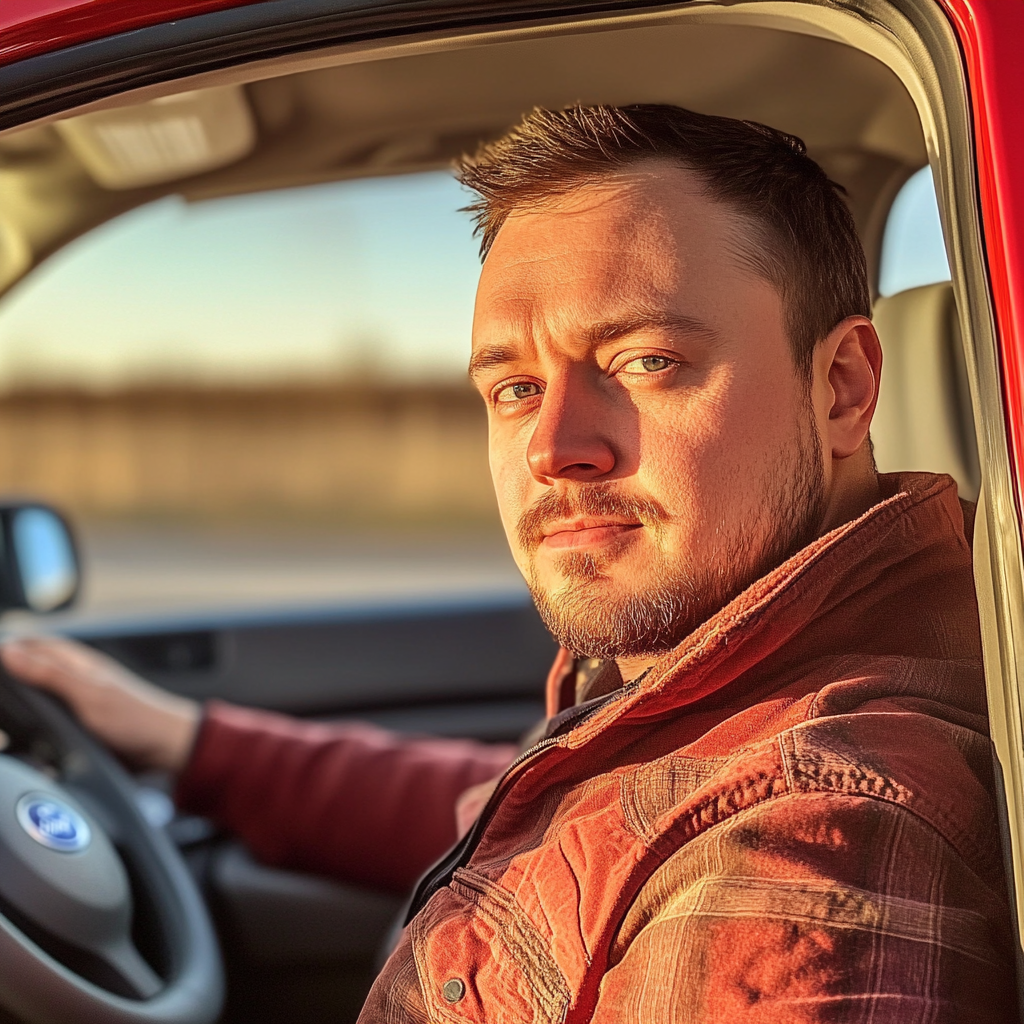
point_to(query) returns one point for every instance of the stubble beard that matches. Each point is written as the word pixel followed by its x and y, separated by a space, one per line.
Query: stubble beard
pixel 674 599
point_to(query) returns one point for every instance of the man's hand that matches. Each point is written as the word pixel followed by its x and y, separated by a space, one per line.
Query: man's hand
pixel 138 720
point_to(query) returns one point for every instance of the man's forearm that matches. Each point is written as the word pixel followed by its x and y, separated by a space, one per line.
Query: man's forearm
pixel 348 800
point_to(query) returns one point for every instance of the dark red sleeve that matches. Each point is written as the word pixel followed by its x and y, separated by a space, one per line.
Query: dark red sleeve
pixel 349 800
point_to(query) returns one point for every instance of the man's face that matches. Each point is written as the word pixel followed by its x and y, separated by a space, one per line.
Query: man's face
pixel 651 440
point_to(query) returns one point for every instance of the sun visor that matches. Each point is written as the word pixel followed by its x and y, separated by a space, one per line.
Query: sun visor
pixel 169 138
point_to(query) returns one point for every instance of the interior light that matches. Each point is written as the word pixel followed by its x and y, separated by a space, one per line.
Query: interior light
pixel 163 140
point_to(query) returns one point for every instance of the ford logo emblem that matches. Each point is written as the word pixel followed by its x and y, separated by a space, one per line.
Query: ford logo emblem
pixel 52 823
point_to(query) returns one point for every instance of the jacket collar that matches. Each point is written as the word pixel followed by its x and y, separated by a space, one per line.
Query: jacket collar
pixel 861 571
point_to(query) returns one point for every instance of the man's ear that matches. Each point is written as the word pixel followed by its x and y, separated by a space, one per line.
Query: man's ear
pixel 847 369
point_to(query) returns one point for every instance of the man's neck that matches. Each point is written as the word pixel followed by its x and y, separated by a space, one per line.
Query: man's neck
pixel 854 490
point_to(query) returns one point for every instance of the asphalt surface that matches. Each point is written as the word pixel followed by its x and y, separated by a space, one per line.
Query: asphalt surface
pixel 147 569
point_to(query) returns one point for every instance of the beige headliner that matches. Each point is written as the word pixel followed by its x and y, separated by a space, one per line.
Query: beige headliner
pixel 418 111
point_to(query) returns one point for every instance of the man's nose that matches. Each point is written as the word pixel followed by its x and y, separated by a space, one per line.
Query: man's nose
pixel 571 439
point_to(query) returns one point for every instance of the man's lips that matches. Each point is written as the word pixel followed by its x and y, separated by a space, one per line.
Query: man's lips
pixel 586 532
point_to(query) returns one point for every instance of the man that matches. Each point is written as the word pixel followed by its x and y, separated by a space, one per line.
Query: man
pixel 764 791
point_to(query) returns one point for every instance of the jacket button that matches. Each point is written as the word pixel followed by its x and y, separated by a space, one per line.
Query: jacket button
pixel 454 989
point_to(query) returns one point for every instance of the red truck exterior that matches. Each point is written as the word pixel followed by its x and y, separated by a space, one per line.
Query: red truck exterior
pixel 31 27
pixel 990 36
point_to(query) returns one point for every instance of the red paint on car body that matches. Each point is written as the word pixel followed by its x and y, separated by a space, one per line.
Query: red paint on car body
pixel 990 36
pixel 31 27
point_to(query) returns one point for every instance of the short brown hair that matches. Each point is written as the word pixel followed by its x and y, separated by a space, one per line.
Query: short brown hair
pixel 806 246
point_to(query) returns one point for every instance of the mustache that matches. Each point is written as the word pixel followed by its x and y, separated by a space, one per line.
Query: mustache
pixel 589 501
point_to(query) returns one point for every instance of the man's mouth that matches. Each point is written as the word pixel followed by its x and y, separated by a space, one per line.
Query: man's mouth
pixel 586 532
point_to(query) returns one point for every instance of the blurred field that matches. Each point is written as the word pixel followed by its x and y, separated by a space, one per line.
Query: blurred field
pixel 336 453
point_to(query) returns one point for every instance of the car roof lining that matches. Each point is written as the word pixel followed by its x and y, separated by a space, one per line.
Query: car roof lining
pixel 352 114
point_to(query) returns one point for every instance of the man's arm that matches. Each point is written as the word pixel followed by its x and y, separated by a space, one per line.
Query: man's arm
pixel 814 908
pixel 348 800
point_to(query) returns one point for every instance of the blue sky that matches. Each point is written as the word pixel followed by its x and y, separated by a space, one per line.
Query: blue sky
pixel 913 252
pixel 306 284
pixel 372 275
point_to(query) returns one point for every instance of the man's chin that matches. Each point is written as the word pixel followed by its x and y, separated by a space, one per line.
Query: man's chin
pixel 576 577
pixel 612 569
pixel 596 616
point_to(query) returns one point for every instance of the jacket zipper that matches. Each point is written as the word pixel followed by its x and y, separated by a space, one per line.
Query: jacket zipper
pixel 441 873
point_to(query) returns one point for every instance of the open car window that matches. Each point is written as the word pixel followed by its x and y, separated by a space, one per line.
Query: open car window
pixel 259 399
pixel 262 399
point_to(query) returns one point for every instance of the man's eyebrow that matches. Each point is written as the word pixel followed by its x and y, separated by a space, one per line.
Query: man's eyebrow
pixel 646 320
pixel 603 331
pixel 488 358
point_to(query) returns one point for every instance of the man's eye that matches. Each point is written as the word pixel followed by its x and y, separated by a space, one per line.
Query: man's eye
pixel 516 392
pixel 648 364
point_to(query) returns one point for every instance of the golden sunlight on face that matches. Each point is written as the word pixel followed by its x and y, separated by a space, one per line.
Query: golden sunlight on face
pixel 650 442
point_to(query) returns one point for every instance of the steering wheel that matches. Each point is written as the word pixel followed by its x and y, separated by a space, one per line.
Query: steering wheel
pixel 100 919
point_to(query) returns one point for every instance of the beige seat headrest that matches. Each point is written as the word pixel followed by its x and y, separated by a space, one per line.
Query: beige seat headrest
pixel 924 420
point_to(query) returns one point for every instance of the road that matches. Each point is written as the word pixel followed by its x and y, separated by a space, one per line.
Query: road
pixel 145 569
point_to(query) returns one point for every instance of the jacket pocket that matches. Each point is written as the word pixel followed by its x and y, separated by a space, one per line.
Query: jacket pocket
pixel 480 959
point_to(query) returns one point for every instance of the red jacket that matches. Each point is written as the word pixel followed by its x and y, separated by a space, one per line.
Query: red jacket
pixel 790 818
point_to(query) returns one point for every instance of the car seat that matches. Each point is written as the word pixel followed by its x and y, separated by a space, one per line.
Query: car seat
pixel 924 419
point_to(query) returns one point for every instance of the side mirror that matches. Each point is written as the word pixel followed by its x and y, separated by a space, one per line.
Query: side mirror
pixel 39 566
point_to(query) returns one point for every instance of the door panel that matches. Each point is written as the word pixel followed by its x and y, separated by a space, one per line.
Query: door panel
pixel 384 662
